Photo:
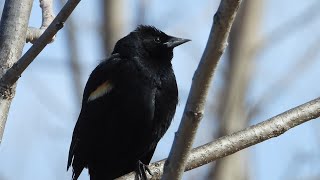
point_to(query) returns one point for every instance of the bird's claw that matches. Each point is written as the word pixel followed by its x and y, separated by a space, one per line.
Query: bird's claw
pixel 141 171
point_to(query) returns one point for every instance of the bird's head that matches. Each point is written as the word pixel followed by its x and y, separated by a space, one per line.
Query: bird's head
pixel 150 42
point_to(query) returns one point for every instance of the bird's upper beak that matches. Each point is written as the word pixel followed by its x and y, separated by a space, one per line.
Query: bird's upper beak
pixel 174 42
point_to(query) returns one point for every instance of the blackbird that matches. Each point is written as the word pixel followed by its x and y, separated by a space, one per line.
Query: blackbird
pixel 128 104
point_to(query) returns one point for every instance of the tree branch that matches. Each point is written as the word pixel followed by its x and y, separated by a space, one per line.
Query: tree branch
pixel 47 17
pixel 13 74
pixel 13 29
pixel 250 136
pixel 193 111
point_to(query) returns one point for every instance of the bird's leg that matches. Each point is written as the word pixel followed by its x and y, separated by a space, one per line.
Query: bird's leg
pixel 141 171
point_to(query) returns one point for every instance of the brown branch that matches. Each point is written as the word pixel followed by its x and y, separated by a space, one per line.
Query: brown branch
pixel 13 74
pixel 194 109
pixel 250 136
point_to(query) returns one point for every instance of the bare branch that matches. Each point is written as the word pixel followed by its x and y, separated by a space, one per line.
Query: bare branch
pixel 194 109
pixel 13 74
pixel 47 13
pixel 47 17
pixel 13 29
pixel 250 136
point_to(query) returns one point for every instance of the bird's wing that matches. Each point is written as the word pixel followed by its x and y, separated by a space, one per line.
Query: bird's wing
pixel 96 86
pixel 96 83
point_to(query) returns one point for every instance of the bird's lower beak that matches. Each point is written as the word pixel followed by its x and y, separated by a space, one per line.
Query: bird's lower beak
pixel 174 42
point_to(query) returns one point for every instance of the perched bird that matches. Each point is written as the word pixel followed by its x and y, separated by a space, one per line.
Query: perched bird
pixel 128 104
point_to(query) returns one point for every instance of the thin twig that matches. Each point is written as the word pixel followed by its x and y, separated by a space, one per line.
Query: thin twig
pixel 114 22
pixel 47 17
pixel 13 74
pixel 250 136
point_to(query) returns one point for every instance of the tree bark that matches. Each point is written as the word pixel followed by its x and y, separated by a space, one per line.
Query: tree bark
pixel 13 30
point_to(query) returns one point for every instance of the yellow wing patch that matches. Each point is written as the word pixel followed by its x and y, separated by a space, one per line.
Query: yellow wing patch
pixel 101 90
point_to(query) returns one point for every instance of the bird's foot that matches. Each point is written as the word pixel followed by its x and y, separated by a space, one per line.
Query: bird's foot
pixel 141 170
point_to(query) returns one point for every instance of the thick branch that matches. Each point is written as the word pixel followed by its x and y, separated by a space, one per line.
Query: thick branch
pixel 47 17
pixel 13 74
pixel 13 28
pixel 193 112
pixel 235 142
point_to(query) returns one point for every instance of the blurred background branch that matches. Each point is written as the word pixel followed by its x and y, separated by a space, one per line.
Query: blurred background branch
pixel 113 24
pixel 74 64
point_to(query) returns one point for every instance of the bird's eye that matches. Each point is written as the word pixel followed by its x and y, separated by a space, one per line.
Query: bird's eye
pixel 157 40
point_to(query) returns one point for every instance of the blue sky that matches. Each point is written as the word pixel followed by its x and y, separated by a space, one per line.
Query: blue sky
pixel 43 113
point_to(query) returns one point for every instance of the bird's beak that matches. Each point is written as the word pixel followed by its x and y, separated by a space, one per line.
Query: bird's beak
pixel 174 42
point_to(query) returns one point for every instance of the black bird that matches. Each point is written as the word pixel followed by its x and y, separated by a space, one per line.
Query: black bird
pixel 128 104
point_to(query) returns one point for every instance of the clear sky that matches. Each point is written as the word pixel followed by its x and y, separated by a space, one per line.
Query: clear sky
pixel 44 110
